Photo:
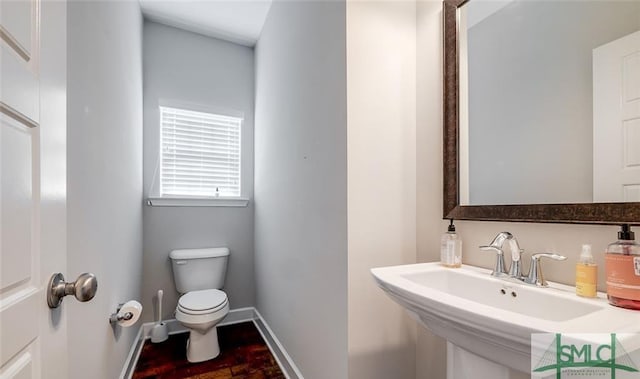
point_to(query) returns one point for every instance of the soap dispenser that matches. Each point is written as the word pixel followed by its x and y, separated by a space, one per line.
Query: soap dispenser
pixel 451 248
pixel 623 270
pixel 586 273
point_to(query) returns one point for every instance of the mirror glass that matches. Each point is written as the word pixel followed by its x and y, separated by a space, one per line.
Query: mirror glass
pixel 549 102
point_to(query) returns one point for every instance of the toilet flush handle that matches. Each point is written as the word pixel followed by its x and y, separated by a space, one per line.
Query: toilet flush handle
pixel 181 262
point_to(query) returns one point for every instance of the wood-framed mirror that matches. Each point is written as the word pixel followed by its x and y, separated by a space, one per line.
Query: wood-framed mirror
pixel 578 212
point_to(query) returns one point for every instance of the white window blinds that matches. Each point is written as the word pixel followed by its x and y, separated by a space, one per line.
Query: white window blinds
pixel 200 154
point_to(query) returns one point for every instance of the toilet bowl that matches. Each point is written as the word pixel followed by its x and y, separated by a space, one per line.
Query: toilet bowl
pixel 199 276
pixel 200 312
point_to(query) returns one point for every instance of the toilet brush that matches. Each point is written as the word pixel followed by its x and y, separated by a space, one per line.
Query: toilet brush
pixel 159 332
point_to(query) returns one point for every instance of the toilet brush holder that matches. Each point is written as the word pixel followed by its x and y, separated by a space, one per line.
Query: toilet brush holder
pixel 159 332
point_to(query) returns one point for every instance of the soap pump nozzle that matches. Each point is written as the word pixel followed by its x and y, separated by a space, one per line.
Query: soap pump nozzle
pixel 625 233
pixel 586 257
pixel 451 228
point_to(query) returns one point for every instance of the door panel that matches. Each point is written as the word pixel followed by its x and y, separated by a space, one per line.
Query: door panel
pixel 18 280
pixel 19 60
pixel 22 367
pixel 18 321
pixel 17 25
pixel 616 120
pixel 32 200
pixel 632 192
pixel 19 108
pixel 631 74
pixel 17 206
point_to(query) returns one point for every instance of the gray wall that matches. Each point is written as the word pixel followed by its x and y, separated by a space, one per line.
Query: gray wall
pixel 104 182
pixel 301 183
pixel 192 70
pixel 530 83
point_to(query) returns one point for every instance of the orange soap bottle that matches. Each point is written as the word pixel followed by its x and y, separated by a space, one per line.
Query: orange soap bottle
pixel 623 270
pixel 586 274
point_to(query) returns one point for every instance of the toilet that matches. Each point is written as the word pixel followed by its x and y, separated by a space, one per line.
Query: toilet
pixel 199 276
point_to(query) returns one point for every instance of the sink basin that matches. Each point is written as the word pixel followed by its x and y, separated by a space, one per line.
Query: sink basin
pixel 524 300
pixel 494 318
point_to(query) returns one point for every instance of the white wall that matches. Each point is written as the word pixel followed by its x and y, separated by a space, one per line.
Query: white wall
pixel 301 183
pixel 104 178
pixel 381 151
pixel 197 72
pixel 430 350
pixel 563 238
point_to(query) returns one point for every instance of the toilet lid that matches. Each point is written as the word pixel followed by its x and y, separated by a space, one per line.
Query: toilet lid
pixel 202 300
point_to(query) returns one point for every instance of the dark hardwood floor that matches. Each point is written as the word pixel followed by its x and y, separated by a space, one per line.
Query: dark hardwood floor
pixel 243 354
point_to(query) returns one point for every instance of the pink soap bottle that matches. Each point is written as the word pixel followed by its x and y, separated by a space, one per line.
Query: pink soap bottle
pixel 622 264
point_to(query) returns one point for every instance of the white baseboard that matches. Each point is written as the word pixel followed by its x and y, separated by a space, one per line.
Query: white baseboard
pixel 132 358
pixel 289 369
pixel 235 316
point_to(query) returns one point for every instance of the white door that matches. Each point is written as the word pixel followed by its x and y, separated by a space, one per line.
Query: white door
pixel 616 120
pixel 33 338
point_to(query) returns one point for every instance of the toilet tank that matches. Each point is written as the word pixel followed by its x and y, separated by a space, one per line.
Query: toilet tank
pixel 199 269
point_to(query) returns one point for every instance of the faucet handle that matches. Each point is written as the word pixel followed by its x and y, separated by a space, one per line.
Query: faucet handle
pixel 554 256
pixel 535 271
pixel 498 269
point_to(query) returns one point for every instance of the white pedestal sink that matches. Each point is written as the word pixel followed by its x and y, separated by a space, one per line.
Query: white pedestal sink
pixel 492 318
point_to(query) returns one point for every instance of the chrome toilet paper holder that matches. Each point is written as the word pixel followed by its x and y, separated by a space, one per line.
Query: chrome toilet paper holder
pixel 117 316
pixel 127 314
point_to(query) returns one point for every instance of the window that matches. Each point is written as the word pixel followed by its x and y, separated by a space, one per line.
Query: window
pixel 199 154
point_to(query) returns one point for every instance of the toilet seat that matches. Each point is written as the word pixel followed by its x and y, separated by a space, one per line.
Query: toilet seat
pixel 202 302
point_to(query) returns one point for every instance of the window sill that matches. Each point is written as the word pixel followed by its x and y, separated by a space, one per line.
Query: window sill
pixel 196 202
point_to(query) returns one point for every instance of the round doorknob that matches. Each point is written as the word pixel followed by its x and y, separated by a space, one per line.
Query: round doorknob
pixel 84 288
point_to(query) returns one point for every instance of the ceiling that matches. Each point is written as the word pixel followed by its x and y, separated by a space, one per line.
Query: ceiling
pixel 238 21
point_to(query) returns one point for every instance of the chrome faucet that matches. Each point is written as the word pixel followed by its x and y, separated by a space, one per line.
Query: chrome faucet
pixel 515 270
pixel 534 276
